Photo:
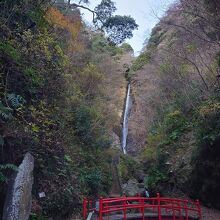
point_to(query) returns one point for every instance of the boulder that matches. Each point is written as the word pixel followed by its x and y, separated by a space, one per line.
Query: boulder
pixel 133 188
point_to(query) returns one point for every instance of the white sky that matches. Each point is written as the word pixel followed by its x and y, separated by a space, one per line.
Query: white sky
pixel 143 11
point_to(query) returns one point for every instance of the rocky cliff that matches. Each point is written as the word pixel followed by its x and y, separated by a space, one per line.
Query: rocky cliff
pixel 175 88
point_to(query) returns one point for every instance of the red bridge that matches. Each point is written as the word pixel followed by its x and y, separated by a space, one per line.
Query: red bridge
pixel 156 208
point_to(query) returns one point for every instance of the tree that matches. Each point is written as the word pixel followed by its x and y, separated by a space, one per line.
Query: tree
pixel 103 12
pixel 118 28
pixel 127 47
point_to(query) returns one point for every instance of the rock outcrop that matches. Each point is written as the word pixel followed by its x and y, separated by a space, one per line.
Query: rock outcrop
pixel 18 200
pixel 133 188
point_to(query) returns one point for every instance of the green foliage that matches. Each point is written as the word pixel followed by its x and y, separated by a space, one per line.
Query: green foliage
pixel 15 101
pixel 7 49
pixel 59 204
pixel 91 181
pixel 170 130
pixel 165 67
pixel 156 37
pixel 89 127
pixel 149 153
pixel 5 167
pixel 166 138
pixel 89 80
pixel 141 60
pixel 5 112
pixel 127 48
pixel 101 45
pixel 162 141
pixel 189 127
pixel 128 168
pixel 120 28
pixel 52 106
pixel 208 122
pixel 33 76
pixel 206 155
pixel 104 11
pixel 158 171
pixel 174 124
pixel 155 178
pixel 202 183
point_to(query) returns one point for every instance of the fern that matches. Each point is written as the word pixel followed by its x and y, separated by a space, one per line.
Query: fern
pixel 3 178
pixel 8 166
pixel 1 140
pixel 16 101
pixel 5 112
pixel 4 167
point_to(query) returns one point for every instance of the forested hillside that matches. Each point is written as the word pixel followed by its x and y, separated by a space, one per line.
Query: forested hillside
pixel 62 95
pixel 57 103
pixel 175 85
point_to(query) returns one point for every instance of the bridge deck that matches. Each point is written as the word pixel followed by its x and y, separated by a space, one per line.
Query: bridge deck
pixel 138 216
pixel 133 208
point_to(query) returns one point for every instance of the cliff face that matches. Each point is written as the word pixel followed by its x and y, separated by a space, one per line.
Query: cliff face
pixel 144 86
pixel 178 60
pixel 115 85
pixel 175 88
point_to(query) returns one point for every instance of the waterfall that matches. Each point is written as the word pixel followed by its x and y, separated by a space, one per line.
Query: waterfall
pixel 125 121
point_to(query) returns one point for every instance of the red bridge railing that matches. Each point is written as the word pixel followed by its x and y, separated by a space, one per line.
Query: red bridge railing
pixel 162 208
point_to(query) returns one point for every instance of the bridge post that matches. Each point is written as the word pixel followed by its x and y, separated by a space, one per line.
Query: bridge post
pixel 100 208
pixel 173 211
pixel 84 208
pixel 199 209
pixel 158 206
pixel 186 210
pixel 142 209
pixel 124 208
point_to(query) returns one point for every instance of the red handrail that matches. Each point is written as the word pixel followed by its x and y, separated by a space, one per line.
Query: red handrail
pixel 159 206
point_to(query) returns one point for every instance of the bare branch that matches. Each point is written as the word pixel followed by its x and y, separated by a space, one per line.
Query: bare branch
pixel 191 62
pixel 74 5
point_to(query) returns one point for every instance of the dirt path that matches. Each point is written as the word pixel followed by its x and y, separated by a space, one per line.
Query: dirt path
pixel 116 187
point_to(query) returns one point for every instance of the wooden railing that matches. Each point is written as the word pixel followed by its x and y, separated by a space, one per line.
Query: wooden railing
pixel 162 208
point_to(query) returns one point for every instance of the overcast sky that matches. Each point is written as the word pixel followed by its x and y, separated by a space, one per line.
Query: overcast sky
pixel 143 11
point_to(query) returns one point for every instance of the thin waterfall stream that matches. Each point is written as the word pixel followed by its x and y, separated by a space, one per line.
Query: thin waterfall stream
pixel 125 120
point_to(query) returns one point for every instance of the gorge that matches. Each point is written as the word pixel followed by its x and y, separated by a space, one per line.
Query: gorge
pixel 89 112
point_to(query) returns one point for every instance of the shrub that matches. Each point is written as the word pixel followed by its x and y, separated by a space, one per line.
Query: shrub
pixel 10 51
pixel 203 183
pixel 128 168
pixel 141 60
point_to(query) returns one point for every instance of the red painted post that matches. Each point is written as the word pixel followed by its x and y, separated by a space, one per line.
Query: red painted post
pixel 153 203
pixel 84 208
pixel 199 209
pixel 186 210
pixel 173 212
pixel 179 207
pixel 106 205
pixel 158 206
pixel 139 202
pixel 100 208
pixel 124 209
pixel 142 209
